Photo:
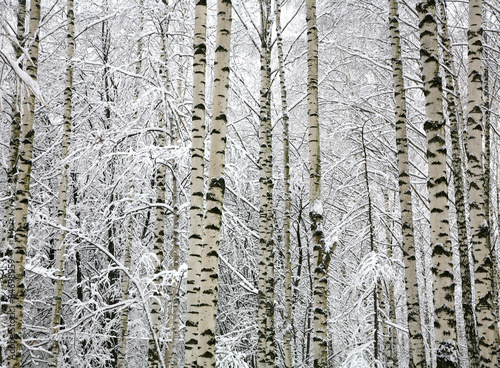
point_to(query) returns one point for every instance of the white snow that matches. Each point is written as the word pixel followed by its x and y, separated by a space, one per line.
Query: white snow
pixel 30 83
pixel 317 207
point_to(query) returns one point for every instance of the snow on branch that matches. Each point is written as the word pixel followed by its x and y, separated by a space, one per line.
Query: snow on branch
pixel 27 80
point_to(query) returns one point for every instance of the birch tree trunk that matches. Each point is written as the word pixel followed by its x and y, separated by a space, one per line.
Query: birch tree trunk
pixel 266 355
pixel 487 323
pixel 175 278
pixel 487 98
pixel 442 269
pixel 321 255
pixel 63 189
pixel 288 199
pixel 391 344
pixel 216 188
pixel 154 356
pixel 417 349
pixel 15 131
pixel 371 225
pixel 458 182
pixel 21 225
pixel 197 186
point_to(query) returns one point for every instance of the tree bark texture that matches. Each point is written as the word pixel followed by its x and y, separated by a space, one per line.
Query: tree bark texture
pixel 216 188
pixel 197 186
pixel 417 349
pixel 63 188
pixel 487 323
pixel 321 255
pixel 458 181
pixel 437 184
pixel 266 354
pixel 21 225
pixel 288 199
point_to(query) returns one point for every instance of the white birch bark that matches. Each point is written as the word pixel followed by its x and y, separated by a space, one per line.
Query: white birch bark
pixel 171 353
pixel 21 226
pixel 454 114
pixel 266 355
pixel 63 188
pixel 321 255
pixel 417 349
pixel 6 247
pixel 155 358
pixel 216 187
pixel 197 186
pixel 442 268
pixel 487 322
pixel 288 199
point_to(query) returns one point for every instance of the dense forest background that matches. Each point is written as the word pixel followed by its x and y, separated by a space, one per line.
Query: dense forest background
pixel 101 146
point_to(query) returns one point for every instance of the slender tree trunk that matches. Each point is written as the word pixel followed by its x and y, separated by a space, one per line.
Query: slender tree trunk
pixel 122 347
pixel 21 225
pixel 458 181
pixel 389 331
pixel 171 356
pixel 216 187
pixel 15 130
pixel 321 253
pixel 266 354
pixel 442 269
pixel 417 349
pixel 372 249
pixel 288 199
pixel 197 186
pixel 63 190
pixel 487 323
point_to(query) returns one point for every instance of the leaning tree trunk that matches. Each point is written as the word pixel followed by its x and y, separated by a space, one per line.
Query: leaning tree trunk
pixel 458 182
pixel 21 199
pixel 417 349
pixel 63 189
pixel 371 225
pixel 443 285
pixel 197 186
pixel 288 199
pixel 487 322
pixel 321 254
pixel 213 216
pixel 266 355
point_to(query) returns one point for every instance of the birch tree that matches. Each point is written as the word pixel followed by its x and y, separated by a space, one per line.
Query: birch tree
pixel 266 266
pixel 288 199
pixel 21 225
pixel 197 186
pixel 442 268
pixel 216 188
pixel 487 323
pixel 12 175
pixel 417 350
pixel 321 255
pixel 454 115
pixel 63 188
